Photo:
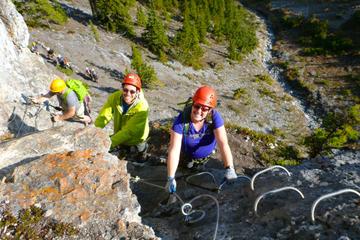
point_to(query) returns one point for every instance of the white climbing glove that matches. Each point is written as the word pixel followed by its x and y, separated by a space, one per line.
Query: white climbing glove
pixel 230 174
pixel 171 185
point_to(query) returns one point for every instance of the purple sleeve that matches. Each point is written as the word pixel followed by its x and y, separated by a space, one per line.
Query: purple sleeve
pixel 217 119
pixel 178 124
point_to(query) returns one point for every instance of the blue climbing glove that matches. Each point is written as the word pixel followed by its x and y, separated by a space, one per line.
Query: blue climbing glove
pixel 171 185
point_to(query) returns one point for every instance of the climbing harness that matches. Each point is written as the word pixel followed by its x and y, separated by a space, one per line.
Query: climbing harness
pixel 266 170
pixel 186 207
pixel 346 190
pixel 275 191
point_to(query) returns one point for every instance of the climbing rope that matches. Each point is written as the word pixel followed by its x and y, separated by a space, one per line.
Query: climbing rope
pixel 28 103
pixel 218 186
pixel 186 208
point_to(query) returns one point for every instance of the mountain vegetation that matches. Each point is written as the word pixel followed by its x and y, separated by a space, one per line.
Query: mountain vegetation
pixel 201 20
pixel 114 15
pixel 41 13
pixel 145 71
pixel 179 30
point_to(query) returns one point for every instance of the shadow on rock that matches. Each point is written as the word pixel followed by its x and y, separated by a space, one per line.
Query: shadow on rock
pixel 106 89
pixel 77 14
pixel 115 74
pixel 7 171
pixel 18 127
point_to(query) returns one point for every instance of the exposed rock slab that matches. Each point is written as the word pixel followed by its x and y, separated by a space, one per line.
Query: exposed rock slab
pixel 284 215
pixel 22 73
pixel 72 185
pixel 70 137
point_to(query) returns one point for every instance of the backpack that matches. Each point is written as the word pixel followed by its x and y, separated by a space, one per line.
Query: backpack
pixel 81 91
pixel 78 87
pixel 187 116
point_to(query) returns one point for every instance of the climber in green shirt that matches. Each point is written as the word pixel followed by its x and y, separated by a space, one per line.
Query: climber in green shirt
pixel 129 110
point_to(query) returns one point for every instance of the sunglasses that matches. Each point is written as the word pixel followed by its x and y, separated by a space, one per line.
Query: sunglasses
pixel 203 108
pixel 128 90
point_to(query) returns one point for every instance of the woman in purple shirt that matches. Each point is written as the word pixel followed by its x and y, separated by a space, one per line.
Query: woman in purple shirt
pixel 195 134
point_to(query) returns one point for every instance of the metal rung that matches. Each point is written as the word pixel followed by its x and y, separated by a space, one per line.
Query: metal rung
pixel 266 170
pixel 275 191
pixel 328 196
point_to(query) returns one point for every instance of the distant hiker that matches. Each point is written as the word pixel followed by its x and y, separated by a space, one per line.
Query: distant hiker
pixel 129 110
pixel 50 53
pixel 194 135
pixel 73 106
pixel 66 63
pixel 34 47
pixel 63 61
pixel 91 74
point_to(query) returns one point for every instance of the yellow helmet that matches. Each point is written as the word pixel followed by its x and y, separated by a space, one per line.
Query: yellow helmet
pixel 57 85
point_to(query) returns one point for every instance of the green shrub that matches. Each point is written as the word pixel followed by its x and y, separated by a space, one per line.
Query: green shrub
pixel 285 65
pixel 239 93
pixel 67 71
pixel 146 72
pixel 141 18
pixel 315 28
pixel 292 74
pixel 264 78
pixel 290 21
pixel 154 35
pixel 95 31
pixel 188 50
pixel 338 129
pixel 254 135
pixel 277 132
pixel 31 223
pixel 114 15
pixel 41 13
pixel 266 92
pixel 239 29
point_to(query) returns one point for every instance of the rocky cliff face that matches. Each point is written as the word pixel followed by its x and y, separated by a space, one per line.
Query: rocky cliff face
pixel 21 74
pixel 279 215
pixel 67 172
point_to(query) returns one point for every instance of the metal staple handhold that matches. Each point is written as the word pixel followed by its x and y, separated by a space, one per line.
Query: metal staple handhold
pixel 266 170
pixel 328 196
pixel 275 191
pixel 202 173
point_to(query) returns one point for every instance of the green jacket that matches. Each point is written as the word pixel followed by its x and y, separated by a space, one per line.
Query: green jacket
pixel 130 128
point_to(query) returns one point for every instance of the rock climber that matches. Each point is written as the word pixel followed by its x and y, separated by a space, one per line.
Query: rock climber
pixel 195 133
pixel 71 106
pixel 129 111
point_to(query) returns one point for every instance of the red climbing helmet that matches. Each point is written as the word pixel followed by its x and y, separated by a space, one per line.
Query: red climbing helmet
pixel 132 79
pixel 206 96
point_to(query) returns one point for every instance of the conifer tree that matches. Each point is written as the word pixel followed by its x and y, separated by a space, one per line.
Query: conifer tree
pixel 157 5
pixel 201 26
pixel 137 60
pixel 187 41
pixel 114 15
pixel 146 72
pixel 141 17
pixel 154 35
pixel 171 5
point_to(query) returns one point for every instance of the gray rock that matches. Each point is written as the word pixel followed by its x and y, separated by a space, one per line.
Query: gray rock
pixel 71 177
